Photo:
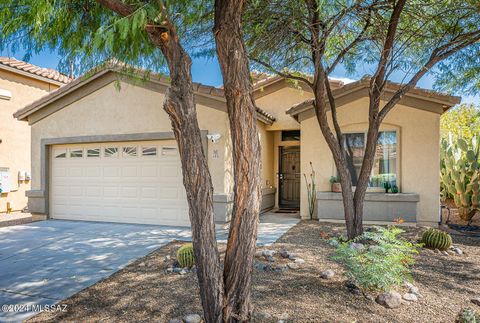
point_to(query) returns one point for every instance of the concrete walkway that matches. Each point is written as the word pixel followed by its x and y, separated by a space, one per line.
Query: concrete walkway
pixel 44 262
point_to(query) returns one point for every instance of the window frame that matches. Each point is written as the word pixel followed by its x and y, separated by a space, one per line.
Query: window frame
pixel 398 158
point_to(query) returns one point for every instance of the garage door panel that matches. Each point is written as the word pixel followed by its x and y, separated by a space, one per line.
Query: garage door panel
pixel 129 171
pixel 111 171
pixel 124 187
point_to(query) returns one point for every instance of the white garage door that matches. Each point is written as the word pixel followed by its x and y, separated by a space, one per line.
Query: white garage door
pixel 131 182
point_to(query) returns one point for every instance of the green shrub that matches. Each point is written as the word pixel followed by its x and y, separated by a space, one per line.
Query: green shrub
pixel 436 239
pixel 382 262
pixel 185 256
pixel 468 315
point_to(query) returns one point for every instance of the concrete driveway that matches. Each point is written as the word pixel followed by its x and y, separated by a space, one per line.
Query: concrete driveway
pixel 44 262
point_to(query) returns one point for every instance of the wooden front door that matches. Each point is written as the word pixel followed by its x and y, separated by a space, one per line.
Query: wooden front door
pixel 289 177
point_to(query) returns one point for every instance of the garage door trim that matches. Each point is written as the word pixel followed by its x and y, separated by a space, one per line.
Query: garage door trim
pixel 41 205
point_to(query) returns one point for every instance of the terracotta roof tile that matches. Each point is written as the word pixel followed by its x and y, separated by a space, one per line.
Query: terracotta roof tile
pixel 48 73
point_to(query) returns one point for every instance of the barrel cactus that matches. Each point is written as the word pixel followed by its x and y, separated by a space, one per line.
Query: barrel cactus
pixel 460 175
pixel 185 256
pixel 437 239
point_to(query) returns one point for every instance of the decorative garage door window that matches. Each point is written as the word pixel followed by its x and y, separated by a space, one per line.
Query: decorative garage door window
pixel 93 152
pixel 111 152
pixel 60 153
pixel 130 151
pixel 169 151
pixel 76 153
pixel 149 151
pixel 117 152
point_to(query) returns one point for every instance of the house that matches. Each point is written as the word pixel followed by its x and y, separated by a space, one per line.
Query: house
pixel 103 150
pixel 20 84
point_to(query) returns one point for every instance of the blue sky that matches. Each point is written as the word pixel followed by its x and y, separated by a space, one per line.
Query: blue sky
pixel 207 71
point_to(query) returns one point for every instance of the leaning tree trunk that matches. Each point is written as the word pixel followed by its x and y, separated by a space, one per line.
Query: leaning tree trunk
pixel 180 106
pixel 239 256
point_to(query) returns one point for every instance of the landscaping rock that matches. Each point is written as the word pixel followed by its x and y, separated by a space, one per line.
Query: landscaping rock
pixel 458 251
pixel 267 268
pixel 259 266
pixel 183 271
pixel 412 289
pixel 389 300
pixel 299 261
pixel 175 321
pixel 327 274
pixel 268 253
pixel 292 265
pixel 142 264
pixel 292 257
pixel 168 257
pixel 270 259
pixel 357 246
pixel 410 297
pixel 177 270
pixel 284 254
pixel 194 269
pixel 476 300
pixel 192 318
pixel 445 253
pixel 170 270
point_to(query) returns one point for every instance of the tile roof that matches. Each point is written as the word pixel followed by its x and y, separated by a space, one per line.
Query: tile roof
pixel 430 95
pixel 47 73
pixel 198 88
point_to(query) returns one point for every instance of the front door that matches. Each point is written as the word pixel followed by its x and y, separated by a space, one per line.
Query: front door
pixel 289 177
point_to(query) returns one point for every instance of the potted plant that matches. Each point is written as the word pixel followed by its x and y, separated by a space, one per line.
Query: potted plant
pixel 336 187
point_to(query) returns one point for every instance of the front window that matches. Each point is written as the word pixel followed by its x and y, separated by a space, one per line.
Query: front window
pixel 385 163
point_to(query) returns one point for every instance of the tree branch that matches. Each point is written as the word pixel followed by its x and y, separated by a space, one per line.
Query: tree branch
pixel 434 59
pixel 282 74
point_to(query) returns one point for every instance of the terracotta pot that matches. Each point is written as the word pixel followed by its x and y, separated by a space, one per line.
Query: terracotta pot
pixel 336 187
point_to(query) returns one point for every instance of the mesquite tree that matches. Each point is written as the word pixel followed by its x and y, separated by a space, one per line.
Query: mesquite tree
pixel 239 256
pixel 149 33
pixel 394 36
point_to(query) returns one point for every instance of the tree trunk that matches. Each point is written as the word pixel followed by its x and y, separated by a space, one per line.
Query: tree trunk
pixel 180 106
pixel 239 256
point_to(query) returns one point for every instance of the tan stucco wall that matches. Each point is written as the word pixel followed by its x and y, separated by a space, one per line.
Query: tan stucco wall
pixel 15 134
pixel 278 102
pixel 130 109
pixel 418 136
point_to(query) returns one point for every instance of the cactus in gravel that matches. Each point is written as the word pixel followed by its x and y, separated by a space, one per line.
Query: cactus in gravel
pixel 460 175
pixel 437 239
pixel 185 255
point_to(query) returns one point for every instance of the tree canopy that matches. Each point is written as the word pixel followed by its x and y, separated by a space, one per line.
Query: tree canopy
pixel 278 36
pixel 462 121
pixel 85 33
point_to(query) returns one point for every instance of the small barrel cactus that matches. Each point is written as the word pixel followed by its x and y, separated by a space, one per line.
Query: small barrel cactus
pixel 185 256
pixel 437 239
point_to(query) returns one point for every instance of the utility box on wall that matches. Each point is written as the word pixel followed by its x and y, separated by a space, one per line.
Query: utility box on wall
pixel 5 179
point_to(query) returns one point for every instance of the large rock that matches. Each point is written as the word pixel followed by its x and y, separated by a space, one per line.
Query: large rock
pixel 292 265
pixel 357 246
pixel 327 274
pixel 389 300
pixel 299 261
pixel 192 318
pixel 410 297
pixel 268 253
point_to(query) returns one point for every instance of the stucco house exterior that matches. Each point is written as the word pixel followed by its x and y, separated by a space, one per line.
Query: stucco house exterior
pixel 20 84
pixel 102 149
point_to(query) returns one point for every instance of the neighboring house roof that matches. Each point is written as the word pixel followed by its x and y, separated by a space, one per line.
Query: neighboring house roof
pixel 347 91
pixel 261 79
pixel 46 74
pixel 200 90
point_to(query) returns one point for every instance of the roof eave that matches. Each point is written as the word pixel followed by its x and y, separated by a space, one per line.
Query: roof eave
pixel 31 75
